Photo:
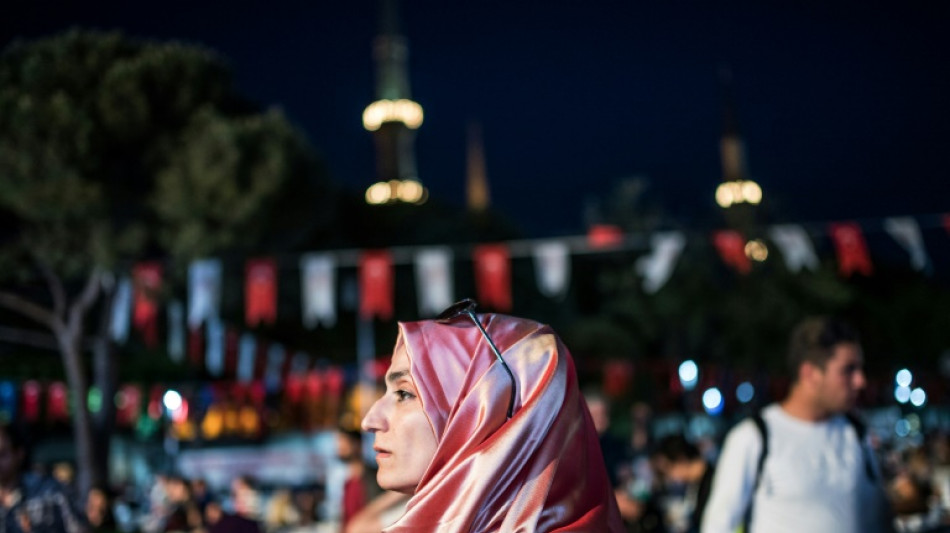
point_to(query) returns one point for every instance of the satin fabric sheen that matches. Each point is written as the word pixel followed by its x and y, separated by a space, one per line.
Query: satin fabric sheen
pixel 541 470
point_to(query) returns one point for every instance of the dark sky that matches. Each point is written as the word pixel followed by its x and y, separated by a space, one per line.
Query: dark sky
pixel 844 110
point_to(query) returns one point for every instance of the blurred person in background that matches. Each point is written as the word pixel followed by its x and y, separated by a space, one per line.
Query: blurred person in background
pixel 359 485
pixel 911 498
pixel 245 497
pixel 182 513
pixel 30 502
pixel 217 520
pixel 99 510
pixel 802 464
pixel 679 463
pixel 307 502
pixel 200 493
pixel 614 449
pixel 281 514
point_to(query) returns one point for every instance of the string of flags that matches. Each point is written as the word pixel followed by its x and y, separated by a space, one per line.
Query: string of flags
pixel 249 371
pixel 491 264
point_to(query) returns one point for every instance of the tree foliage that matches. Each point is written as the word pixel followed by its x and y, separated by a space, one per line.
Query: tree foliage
pixel 114 150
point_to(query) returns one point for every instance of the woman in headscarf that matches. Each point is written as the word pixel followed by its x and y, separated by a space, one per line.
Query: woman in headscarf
pixel 483 425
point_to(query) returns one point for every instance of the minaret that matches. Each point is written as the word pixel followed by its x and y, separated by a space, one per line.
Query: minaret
pixel 393 117
pixel 476 184
pixel 735 188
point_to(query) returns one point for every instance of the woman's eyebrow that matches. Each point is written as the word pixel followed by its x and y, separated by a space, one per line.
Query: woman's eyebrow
pixel 392 377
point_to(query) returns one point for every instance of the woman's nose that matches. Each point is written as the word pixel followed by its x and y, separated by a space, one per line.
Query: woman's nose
pixel 373 421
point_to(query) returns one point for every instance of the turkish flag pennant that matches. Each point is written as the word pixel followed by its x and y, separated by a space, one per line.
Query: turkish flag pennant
pixel 851 248
pixel 294 389
pixel 260 292
pixel 493 276
pixel 31 400
pixel 57 406
pixel 128 405
pixel 604 236
pixel 147 281
pixel 731 247
pixel 376 285
pixel 314 383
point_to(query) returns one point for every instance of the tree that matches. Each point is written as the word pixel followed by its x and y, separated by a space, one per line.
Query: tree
pixel 114 150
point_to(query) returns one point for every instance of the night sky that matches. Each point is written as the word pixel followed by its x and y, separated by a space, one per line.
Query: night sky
pixel 844 110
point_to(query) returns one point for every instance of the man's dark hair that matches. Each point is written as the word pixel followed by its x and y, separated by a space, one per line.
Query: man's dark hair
pixel 676 448
pixel 814 339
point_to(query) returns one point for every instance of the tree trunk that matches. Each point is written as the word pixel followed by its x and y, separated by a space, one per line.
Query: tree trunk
pixel 67 322
pixel 105 376
pixel 69 343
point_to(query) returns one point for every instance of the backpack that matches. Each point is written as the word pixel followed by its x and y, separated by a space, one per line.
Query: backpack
pixel 859 428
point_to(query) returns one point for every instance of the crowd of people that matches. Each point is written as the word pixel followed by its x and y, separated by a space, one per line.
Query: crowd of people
pixel 804 463
pixel 483 427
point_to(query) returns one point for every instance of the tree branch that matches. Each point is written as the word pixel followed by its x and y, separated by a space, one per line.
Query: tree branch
pixel 85 300
pixel 55 287
pixel 24 337
pixel 27 308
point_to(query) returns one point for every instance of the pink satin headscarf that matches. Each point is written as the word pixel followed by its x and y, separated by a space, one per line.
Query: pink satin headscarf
pixel 541 470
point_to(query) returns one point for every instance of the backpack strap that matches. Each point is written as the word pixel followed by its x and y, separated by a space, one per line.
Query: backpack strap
pixel 861 430
pixel 764 434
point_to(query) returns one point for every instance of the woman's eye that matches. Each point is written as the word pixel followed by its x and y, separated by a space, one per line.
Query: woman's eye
pixel 404 395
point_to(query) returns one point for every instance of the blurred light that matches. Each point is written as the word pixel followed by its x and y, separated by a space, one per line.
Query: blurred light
pixel 733 192
pixel 120 400
pixel 94 399
pixel 902 394
pixel 904 377
pixel 386 192
pixel 918 397
pixel 756 250
pixel 902 428
pixel 745 392
pixel 411 191
pixel 712 401
pixel 689 374
pixel 402 110
pixel 172 400
pixel 914 422
pixel 377 193
pixel 751 192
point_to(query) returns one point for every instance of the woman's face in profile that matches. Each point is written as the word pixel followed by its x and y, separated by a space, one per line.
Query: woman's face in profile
pixel 405 442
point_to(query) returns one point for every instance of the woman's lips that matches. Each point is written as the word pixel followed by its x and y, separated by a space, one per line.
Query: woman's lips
pixel 382 453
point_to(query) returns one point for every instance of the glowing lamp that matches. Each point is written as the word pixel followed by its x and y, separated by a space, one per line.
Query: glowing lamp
pixel 738 192
pixel 402 110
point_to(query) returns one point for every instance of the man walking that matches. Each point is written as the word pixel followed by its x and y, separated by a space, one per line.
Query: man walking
pixel 803 465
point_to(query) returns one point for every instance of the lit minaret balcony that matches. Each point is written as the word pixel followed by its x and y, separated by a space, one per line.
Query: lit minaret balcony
pixel 403 110
pixel 735 188
pixel 733 192
pixel 393 118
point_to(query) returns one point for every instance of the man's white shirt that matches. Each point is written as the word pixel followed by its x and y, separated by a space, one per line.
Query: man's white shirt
pixel 813 479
